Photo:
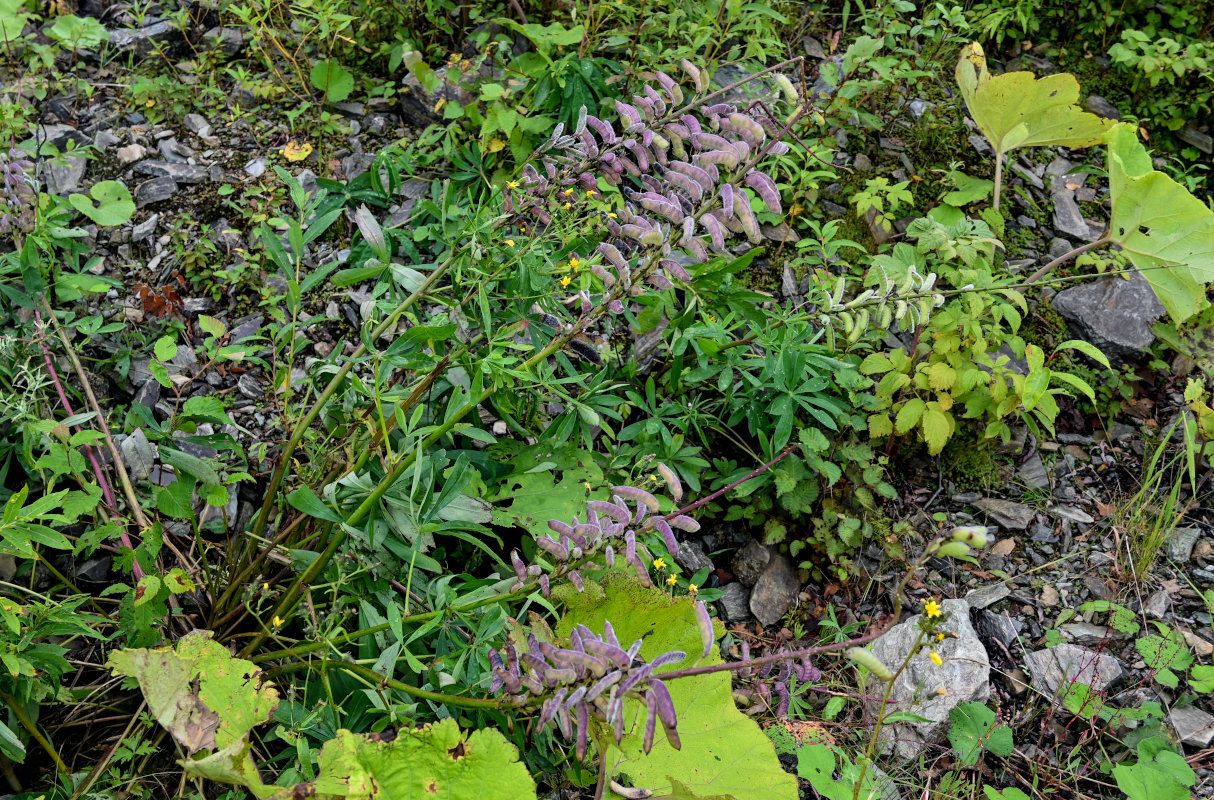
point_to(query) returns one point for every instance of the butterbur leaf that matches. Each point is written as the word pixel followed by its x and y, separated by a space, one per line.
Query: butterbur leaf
pixel 1167 232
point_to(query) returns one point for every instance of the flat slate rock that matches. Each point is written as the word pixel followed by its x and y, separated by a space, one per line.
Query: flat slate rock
pixel 1058 666
pixel 1006 514
pixel 1113 313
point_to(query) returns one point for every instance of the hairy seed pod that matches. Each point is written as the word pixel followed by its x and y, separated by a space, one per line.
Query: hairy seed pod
pixel 673 484
pixel 750 129
pixel 609 555
pixel 696 249
pixel 520 569
pixel 583 731
pixel 612 254
pixel 576 579
pixel 742 149
pixel 666 713
pixel 627 112
pixel 658 103
pixel 630 545
pixel 637 496
pixel 559 527
pixel 689 229
pixel 675 269
pixel 652 239
pixel 553 548
pixel 710 223
pixel 684 523
pixel 659 282
pixel 692 72
pixel 973 535
pixel 750 223
pixel 651 720
pixel 704 623
pixel 612 653
pixel 615 307
pixel 727 158
pixel 668 539
pixel 766 189
pixel 673 657
pixel 870 662
pixel 726 193
pixel 786 88
pixel 672 88
pixel 629 166
pixel 686 184
pixel 606 277
pixel 778 149
pixel 633 231
pixel 709 141
pixel 544 585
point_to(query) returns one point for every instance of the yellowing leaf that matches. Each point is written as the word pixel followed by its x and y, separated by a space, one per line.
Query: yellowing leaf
pixel 908 415
pixel 937 427
pixel 297 151
pixel 495 144
pixel 1167 232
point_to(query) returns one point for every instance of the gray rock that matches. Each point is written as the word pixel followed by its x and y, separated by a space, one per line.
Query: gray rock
pixel 1032 472
pixel 1006 514
pixel 862 163
pixel 148 394
pixel 245 327
pixel 980 144
pixel 255 168
pixel 1067 217
pixel 964 676
pixel 64 174
pixel 250 387
pixel 95 570
pixel 1199 139
pixel 823 87
pixel 224 517
pixel 130 154
pixel 735 602
pixel 229 40
pixel 788 282
pixel 198 124
pixel 1157 604
pixel 985 596
pixel 1179 545
pixel 138 454
pixel 1058 248
pixel 1193 726
pixel 1076 515
pixel 813 48
pixel 104 140
pixel 61 136
pixel 779 233
pixel 999 627
pixel 144 41
pixel 776 591
pixel 1112 313
pixel 156 190
pixel 1101 107
pixel 919 107
pixel 691 557
pixel 145 229
pixel 1058 666
pixel 1087 633
pixel 181 173
pixel 417 103
pixel 749 562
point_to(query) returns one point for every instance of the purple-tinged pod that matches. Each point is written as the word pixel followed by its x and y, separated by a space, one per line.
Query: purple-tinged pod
pixel 742 149
pixel 615 307
pixel 627 113
pixel 647 108
pixel 609 651
pixel 613 255
pixel 575 697
pixel 637 496
pixel 659 282
pixel 782 693
pixel 588 531
pixel 653 238
pixel 676 270
pixel 587 182
pixel 647 137
pixel 746 124
pixel 544 585
pixel 629 166
pixel 666 713
pixel 693 125
pixel 673 484
pixel 606 277
pixel 615 715
pixel 520 569
pixel 590 147
pixel 696 249
pixel 750 223
pixel 709 141
pixel 557 676
pixel 630 545
pixel 692 71
pixel 609 555
pixel 651 721
pixel 641 572
pixel 661 154
pixel 673 657
pixel 576 580
pixel 613 228
pixel 633 231
pixel 684 523
pixel 677 130
pixel 563 723
pixel 640 153
pixel 698 174
pixel 711 224
pixel 613 510
pixel 548 710
pixel 726 193
pixel 778 149
pixel 583 731
pixel 553 548
pixel 667 535
pixel 673 90
pixel 652 184
pixel 643 554
pixel 531 684
pixel 550 168
pixel 727 158
pixel 766 189
pixel 534 570
pixel 689 229
pixel 634 648
pixel 636 676
pixel 658 103
pixel 602 127
pixel 505 678
pixel 719 108
pixel 686 184
pixel 578 538
pixel 704 623
pixel 605 683
pixel 730 223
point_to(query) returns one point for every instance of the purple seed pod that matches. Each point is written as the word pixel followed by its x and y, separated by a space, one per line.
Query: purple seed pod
pixel 677 130
pixel 729 223
pixel 588 532
pixel 609 634
pixel 576 580
pixel 559 675
pixel 689 229
pixel 643 554
pixel 615 713
pixel 583 731
pixel 676 270
pixel 766 189
pixel 719 109
pixel 709 141
pixel 647 137
pixel 613 255
pixel 673 657
pixel 637 496
pixel 698 174
pixel 704 623
pixel 636 676
pixel 609 556
pixel 659 282
pixel 629 166
pixel 627 113
pixel 782 694
pixel 778 149
pixel 666 713
pixel 711 224
pixel 673 484
pixel 696 249
pixel 552 547
pixel 684 523
pixel 742 149
pixel 727 158
pixel 531 684
pixel 751 130
pixel 615 307
pixel 609 651
pixel 606 277
pixel 534 570
pixel 613 510
pixel 726 192
pixel 549 709
pixel 520 568
pixel 544 586
pixel 604 683
pixel 667 535
pixel 680 181
pixel 750 223
pixel 642 573
pixel 602 128
pixel 630 545
pixel 651 720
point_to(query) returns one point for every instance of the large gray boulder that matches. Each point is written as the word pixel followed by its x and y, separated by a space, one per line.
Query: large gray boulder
pixel 1112 313
pixel 925 689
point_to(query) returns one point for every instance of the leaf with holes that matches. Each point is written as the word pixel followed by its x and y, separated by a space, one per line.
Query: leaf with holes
pixel 114 204
pixel 972 729
pixel 1167 232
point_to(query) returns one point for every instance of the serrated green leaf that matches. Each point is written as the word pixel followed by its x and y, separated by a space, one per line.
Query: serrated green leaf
pixel 937 427
pixel 909 415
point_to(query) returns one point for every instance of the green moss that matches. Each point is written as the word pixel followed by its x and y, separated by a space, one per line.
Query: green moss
pixel 971 463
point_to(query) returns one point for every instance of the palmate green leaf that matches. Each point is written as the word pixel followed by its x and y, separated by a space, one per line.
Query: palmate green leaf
pixel 1167 232
pixel 437 760
pixel 724 752
pixel 1017 109
pixel 972 729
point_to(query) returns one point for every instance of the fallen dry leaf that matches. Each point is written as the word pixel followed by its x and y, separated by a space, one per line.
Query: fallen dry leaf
pixel 1003 547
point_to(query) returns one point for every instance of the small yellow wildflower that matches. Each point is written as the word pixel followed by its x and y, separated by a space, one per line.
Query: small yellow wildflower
pixel 567 206
pixel 932 609
pixel 574 263
pixel 512 184
pixel 278 621
pixel 673 580
pixel 939 637
pixel 265 586
pixel 591 192
pixel 659 564
pixel 610 215
pixel 693 589
pixel 711 318
pixel 942 691
pixel 565 281
pixel 567 192
pixel 936 659
pixel 510 243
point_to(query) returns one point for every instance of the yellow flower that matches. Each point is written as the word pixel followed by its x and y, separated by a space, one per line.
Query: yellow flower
pixel 567 192
pixel 567 206
pixel 574 263
pixel 265 586
pixel 942 691
pixel 673 580
pixel 711 318
pixel 512 184
pixel 565 281
pixel 510 243
pixel 610 215
pixel 278 621
pixel 932 609
pixel 936 659
pixel 591 192
pixel 659 564
pixel 939 637
pixel 693 589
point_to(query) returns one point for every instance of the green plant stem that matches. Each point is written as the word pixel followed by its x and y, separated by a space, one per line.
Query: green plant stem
pixel 998 177
pixel 301 428
pixel 872 742
pixel 1083 248
pixel 459 701
pixel 34 732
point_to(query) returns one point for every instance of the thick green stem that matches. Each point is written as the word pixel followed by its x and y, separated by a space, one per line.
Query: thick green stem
pixel 456 700
pixel 1062 259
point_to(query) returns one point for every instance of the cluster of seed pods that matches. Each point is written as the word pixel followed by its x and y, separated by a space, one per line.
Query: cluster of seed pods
pixel 590 678
pixel 18 198
pixel 685 169
pixel 767 679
